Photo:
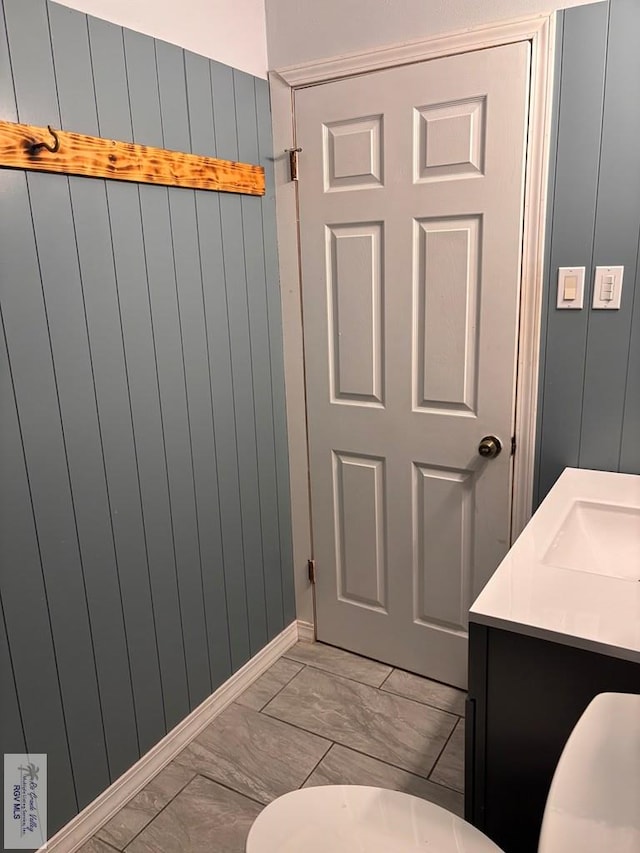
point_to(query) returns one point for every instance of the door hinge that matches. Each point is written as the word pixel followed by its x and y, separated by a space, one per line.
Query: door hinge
pixel 311 570
pixel 293 163
pixel 513 445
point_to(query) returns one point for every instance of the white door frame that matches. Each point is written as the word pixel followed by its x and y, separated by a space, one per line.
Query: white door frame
pixel 540 31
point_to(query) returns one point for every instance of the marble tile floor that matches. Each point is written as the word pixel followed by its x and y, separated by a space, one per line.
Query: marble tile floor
pixel 318 716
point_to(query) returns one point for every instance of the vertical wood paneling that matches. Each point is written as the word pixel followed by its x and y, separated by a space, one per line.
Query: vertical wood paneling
pixel 27 31
pixel 152 495
pixel 156 219
pixel 234 243
pixel 274 314
pixel 199 383
pixel 145 486
pixel 22 589
pixel 246 121
pixel 45 335
pixel 11 731
pixel 202 521
pixel 616 236
pixel 103 476
pixel 590 394
pixel 21 584
pixel 236 285
pixel 576 177
pixel 8 109
pixel 221 383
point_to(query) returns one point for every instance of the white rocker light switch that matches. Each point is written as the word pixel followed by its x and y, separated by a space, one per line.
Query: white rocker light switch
pixel 570 287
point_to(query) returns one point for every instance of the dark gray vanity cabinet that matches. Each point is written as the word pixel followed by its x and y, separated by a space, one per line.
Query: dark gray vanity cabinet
pixel 525 696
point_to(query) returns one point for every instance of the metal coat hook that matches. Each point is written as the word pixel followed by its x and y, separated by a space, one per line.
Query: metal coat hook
pixel 36 146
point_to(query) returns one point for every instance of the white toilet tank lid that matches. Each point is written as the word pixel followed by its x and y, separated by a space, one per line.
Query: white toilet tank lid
pixel 359 819
pixel 594 800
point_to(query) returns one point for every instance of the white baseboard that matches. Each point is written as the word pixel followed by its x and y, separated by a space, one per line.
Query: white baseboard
pixel 80 829
pixel 306 631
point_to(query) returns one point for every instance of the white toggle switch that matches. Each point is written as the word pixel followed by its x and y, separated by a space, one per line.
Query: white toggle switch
pixel 607 287
pixel 570 287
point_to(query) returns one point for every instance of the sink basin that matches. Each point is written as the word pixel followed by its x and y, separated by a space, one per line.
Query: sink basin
pixel 573 574
pixel 600 538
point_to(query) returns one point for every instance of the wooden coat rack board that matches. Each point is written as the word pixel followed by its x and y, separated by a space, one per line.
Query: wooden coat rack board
pixel 24 146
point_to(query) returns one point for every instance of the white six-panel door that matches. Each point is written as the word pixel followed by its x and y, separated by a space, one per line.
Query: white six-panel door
pixel 410 193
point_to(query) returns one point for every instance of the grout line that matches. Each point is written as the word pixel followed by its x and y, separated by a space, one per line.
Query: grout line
pixel 317 764
pixel 364 684
pixel 360 751
pixel 228 787
pixel 381 761
pixel 457 717
pixel 158 813
pixel 442 751
pixel 344 745
pixel 271 698
pixel 426 704
pixel 332 744
pixel 315 666
pixel 384 680
pixel 106 843
pixel 325 645
pixel 152 818
pixel 445 787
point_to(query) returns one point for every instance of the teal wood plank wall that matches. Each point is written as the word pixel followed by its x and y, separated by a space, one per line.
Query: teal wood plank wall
pixel 145 538
pixel 589 413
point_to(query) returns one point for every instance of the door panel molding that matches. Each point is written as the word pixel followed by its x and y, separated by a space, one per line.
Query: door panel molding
pixel 540 32
pixel 361 561
pixel 451 320
pixel 356 372
pixel 445 575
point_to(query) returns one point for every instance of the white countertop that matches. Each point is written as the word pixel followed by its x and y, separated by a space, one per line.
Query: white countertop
pixel 529 595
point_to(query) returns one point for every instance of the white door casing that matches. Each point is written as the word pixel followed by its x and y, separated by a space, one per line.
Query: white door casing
pixel 410 200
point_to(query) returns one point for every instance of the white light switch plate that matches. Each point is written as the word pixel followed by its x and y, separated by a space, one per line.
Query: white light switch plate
pixel 607 287
pixel 570 287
